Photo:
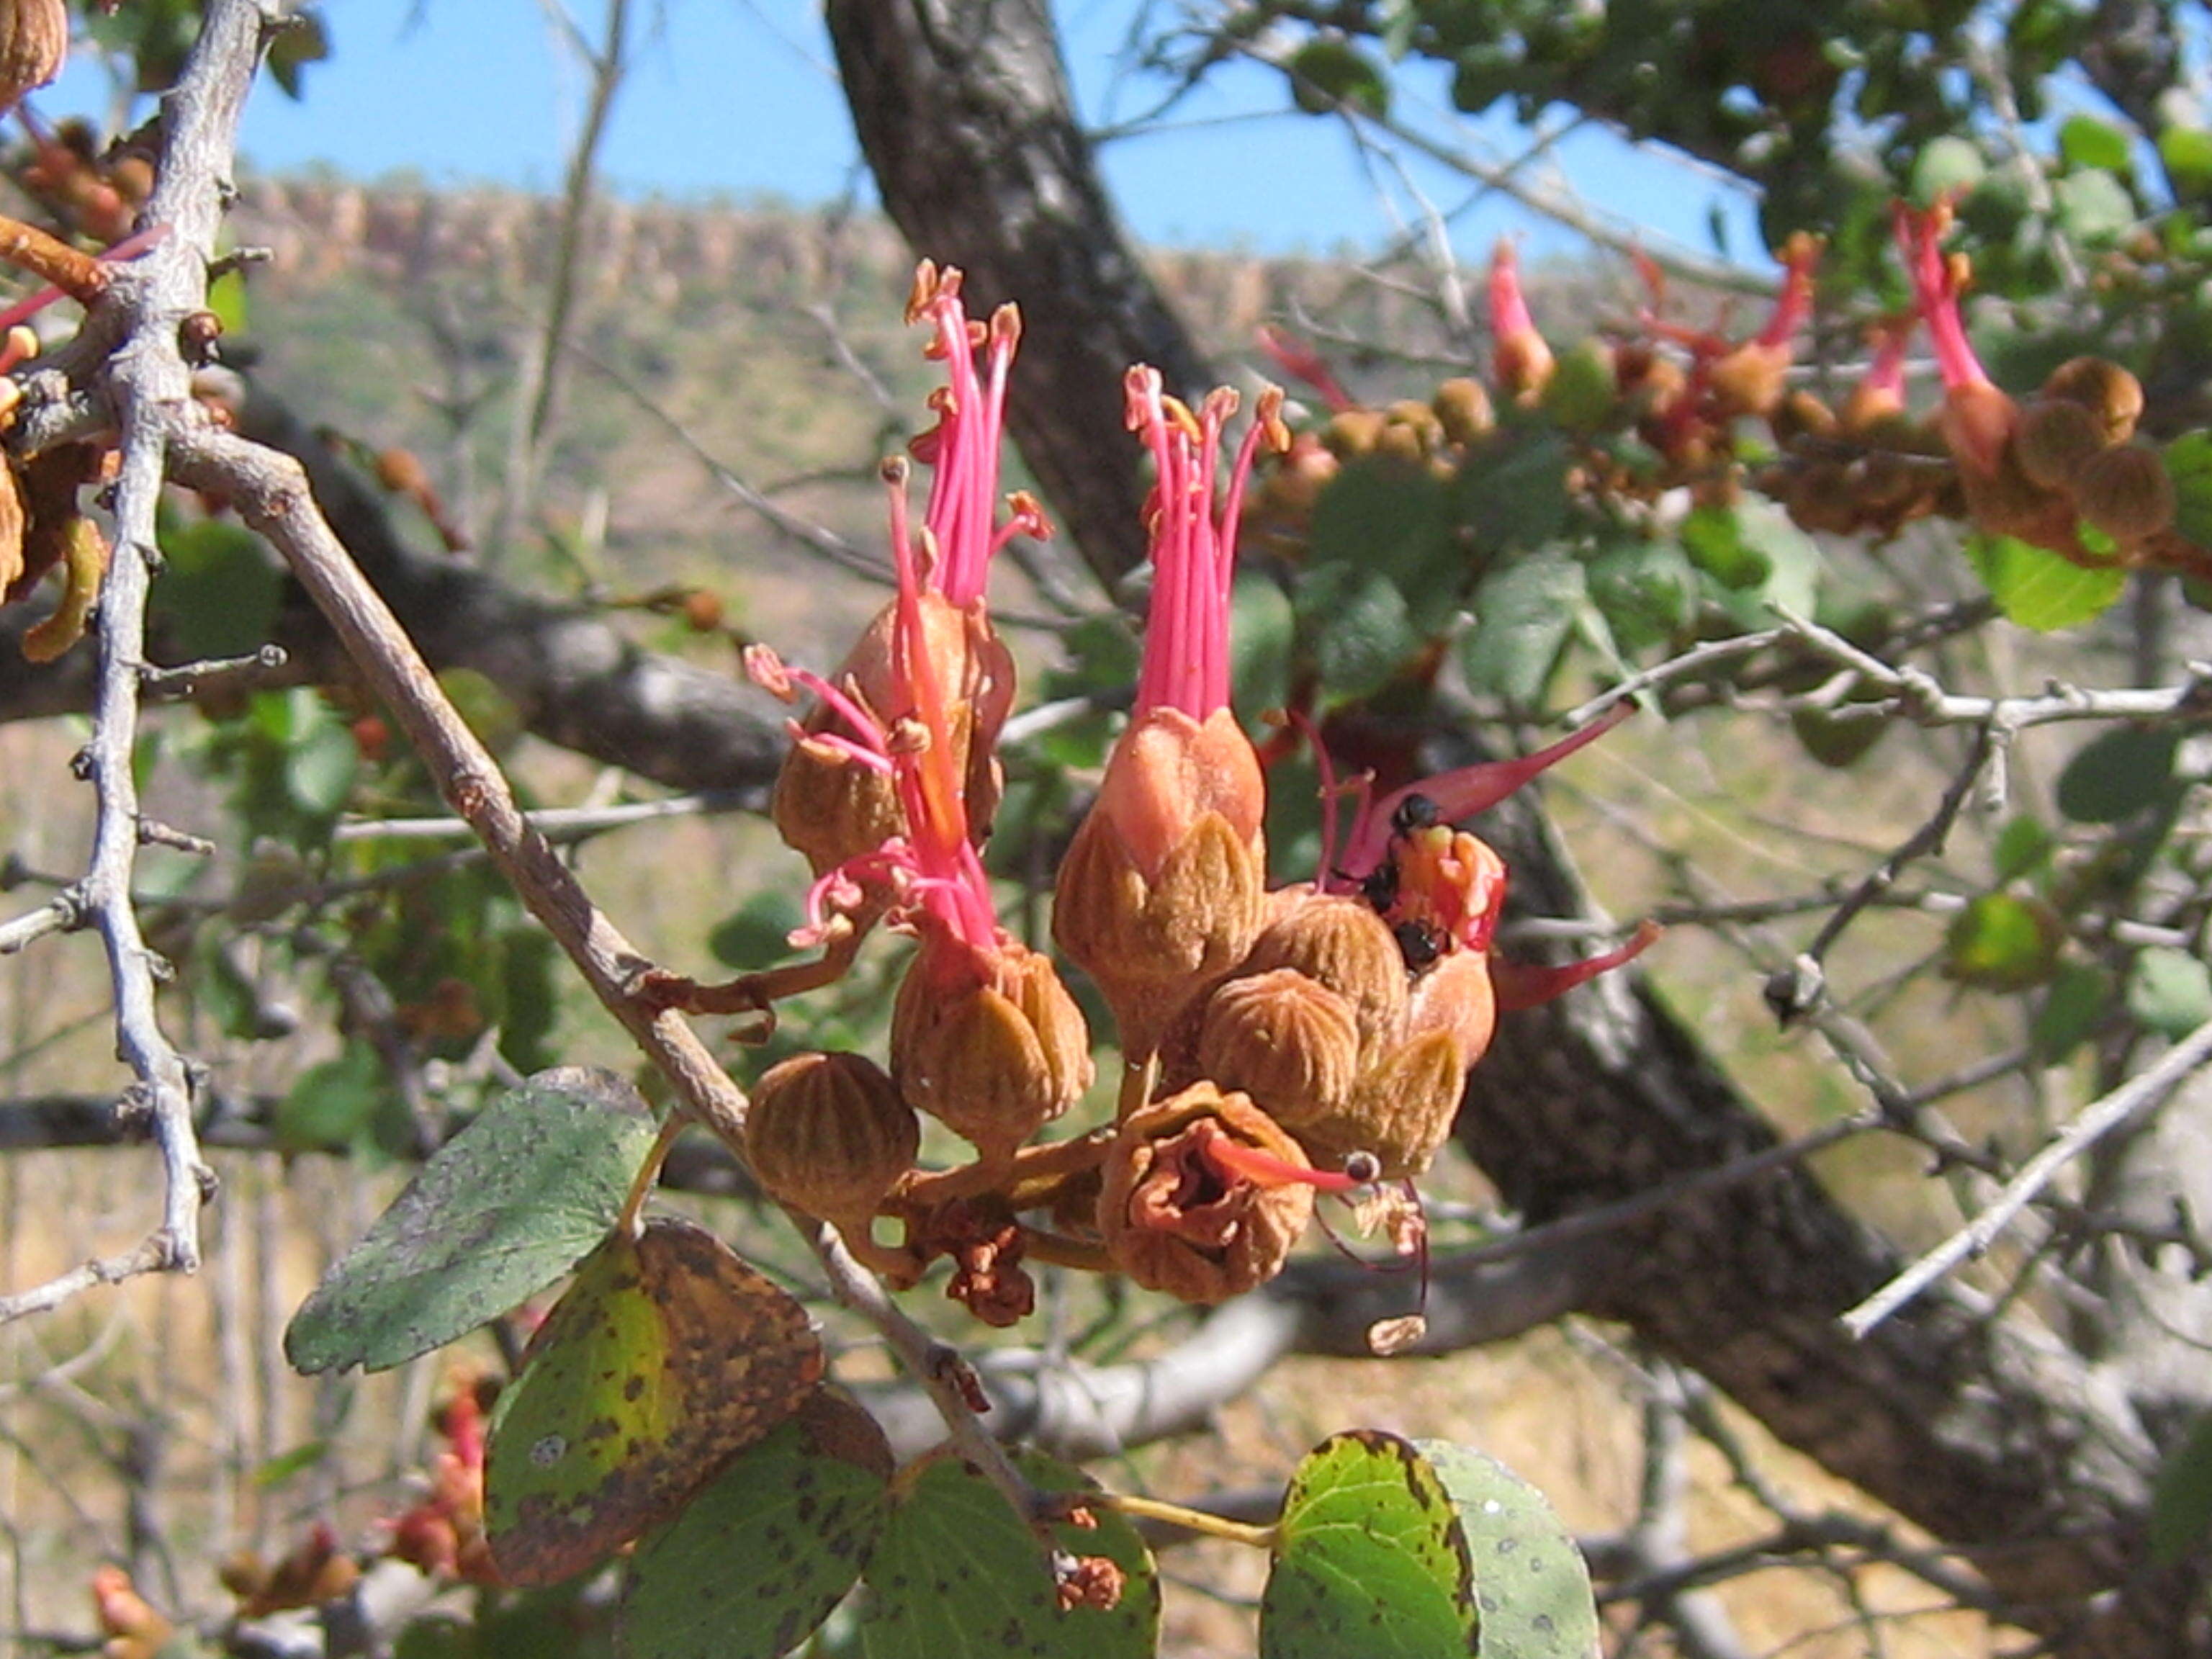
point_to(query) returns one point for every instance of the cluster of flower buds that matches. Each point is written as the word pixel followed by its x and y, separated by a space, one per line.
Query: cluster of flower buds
pixel 2064 470
pixel 1273 1044
pixel 1679 391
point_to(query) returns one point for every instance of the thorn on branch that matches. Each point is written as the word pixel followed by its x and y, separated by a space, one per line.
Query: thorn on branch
pixel 187 678
pixel 152 832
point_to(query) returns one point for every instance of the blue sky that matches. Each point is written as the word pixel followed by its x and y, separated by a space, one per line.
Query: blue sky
pixel 736 97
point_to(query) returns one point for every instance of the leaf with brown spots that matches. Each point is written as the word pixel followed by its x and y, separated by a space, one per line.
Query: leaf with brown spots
pixel 758 1560
pixel 666 1357
pixel 1369 1558
pixel 958 1575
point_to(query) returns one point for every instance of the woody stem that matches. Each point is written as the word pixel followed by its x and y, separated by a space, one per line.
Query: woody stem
pixel 1085 1254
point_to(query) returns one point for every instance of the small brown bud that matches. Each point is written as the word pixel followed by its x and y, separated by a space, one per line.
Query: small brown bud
pixel 33 44
pixel 1820 497
pixel 827 1134
pixel 831 808
pixel 1286 1040
pixel 2126 492
pixel 1464 409
pixel 1339 942
pixel 1802 414
pixel 1455 996
pixel 2107 391
pixel 993 1047
pixel 1183 1210
pixel 1401 1109
pixel 1352 433
pixel 1418 418
pixel 2057 437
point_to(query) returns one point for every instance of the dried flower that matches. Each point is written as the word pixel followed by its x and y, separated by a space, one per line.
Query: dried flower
pixel 1204 1195
pixel 33 44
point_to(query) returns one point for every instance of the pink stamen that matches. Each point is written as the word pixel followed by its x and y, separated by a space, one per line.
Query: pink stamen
pixel 1935 292
pixel 1526 985
pixel 1471 789
pixel 1232 1159
pixel 1799 257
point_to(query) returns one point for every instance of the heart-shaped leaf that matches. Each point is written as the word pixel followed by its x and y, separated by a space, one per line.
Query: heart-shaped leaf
pixel 758 1560
pixel 664 1359
pixel 502 1209
pixel 958 1573
pixel 1370 1558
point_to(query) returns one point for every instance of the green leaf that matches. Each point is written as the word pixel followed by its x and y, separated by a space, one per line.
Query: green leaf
pixel 958 1574
pixel 757 1560
pixel 1371 1558
pixel 2036 589
pixel 1358 632
pixel 1532 1588
pixel 1329 71
pixel 1714 541
pixel 2002 942
pixel 2181 1501
pixel 298 1461
pixel 501 1210
pixel 2187 155
pixel 1513 496
pixel 2086 142
pixel 320 768
pixel 1646 591
pixel 2189 464
pixel 334 1107
pixel 1262 632
pixel 2170 992
pixel 1384 518
pixel 666 1358
pixel 218 591
pixel 1524 615
pixel 2118 774
pixel 302 40
pixel 2023 845
pixel 2092 205
pixel 758 931
pixel 2073 1008
pixel 1945 164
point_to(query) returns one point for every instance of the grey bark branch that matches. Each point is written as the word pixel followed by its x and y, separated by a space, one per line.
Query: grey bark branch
pixel 145 379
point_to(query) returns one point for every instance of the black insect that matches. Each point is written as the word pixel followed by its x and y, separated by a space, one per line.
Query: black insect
pixel 1418 943
pixel 1379 886
pixel 1415 812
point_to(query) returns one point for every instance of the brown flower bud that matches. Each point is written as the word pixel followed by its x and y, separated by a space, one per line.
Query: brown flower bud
pixel 1800 415
pixel 991 1047
pixel 827 1134
pixel 1202 1197
pixel 1464 409
pixel 1287 1040
pixel 1352 433
pixel 1400 1111
pixel 34 43
pixel 1339 942
pixel 2107 391
pixel 1160 894
pixel 2056 439
pixel 1820 497
pixel 831 808
pixel 2126 492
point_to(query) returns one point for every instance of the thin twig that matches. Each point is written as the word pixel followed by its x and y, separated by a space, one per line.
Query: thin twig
pixel 2090 1125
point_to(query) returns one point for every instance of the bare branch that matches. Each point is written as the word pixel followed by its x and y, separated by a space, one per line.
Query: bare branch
pixel 2096 1119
